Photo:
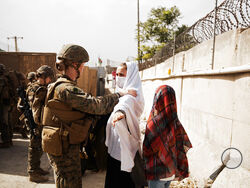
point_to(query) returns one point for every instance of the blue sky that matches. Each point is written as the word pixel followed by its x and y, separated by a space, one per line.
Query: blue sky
pixel 106 28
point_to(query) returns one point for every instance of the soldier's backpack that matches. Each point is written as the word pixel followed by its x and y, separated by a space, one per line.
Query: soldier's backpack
pixel 67 125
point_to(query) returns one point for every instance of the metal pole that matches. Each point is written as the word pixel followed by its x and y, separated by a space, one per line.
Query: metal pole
pixel 15 38
pixel 8 44
pixel 215 16
pixel 173 53
pixel 138 33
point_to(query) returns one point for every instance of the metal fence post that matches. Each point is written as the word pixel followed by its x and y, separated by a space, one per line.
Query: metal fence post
pixel 215 17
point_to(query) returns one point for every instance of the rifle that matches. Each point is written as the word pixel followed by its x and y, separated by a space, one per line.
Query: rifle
pixel 26 110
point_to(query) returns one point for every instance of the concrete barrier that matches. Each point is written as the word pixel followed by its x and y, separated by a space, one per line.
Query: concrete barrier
pixel 213 105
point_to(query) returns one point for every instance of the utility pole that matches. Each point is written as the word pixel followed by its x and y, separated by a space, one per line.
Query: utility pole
pixel 15 38
pixel 215 16
pixel 8 44
pixel 138 32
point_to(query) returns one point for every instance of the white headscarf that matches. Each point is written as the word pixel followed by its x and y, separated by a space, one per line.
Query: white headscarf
pixel 133 81
pixel 129 140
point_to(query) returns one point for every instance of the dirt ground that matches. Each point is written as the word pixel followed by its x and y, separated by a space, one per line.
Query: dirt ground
pixel 13 169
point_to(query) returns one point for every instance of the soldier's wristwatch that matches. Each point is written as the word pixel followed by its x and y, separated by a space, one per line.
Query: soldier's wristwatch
pixel 119 95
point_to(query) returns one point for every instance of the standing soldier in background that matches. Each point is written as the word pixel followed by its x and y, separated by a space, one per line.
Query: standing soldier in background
pixel 36 93
pixel 5 108
pixel 17 79
pixel 67 116
pixel 31 77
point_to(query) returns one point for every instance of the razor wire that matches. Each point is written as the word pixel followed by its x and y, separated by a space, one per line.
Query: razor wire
pixel 231 14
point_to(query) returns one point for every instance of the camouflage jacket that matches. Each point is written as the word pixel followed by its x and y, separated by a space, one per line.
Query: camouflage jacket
pixel 68 93
pixel 30 92
pixel 36 94
pixel 20 102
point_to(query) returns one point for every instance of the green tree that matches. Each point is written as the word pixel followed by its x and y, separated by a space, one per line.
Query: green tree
pixel 158 30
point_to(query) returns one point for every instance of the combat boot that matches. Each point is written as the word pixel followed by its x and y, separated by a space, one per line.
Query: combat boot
pixel 42 172
pixel 37 178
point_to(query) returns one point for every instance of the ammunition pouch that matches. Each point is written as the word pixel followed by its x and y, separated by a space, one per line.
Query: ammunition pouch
pixel 51 140
pixel 78 131
pixel 57 114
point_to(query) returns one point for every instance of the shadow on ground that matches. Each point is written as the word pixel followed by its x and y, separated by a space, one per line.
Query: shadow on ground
pixel 13 160
pixel 13 169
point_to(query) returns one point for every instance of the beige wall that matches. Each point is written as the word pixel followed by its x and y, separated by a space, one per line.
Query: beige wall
pixel 214 108
pixel 26 62
pixel 88 80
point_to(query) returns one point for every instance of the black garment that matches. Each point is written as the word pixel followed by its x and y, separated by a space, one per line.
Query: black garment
pixel 115 178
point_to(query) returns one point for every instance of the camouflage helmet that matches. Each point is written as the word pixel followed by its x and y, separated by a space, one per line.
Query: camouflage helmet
pixel 2 68
pixel 73 53
pixel 45 71
pixel 31 75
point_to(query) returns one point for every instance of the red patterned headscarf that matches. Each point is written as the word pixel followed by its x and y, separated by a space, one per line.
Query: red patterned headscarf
pixel 166 142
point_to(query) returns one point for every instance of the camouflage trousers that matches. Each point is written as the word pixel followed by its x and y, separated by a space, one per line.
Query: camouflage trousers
pixel 67 168
pixel 35 152
pixel 6 128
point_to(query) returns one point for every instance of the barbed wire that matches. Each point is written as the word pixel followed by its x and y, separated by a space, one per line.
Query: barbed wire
pixel 231 14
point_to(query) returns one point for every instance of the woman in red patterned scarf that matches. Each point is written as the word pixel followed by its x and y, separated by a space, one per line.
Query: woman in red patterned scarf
pixel 166 142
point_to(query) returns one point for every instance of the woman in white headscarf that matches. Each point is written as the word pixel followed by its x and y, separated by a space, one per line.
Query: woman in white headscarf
pixel 123 131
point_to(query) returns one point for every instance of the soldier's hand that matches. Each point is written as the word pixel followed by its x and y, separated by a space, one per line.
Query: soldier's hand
pixel 117 116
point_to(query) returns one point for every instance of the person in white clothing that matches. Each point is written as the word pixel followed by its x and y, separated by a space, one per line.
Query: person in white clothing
pixel 123 131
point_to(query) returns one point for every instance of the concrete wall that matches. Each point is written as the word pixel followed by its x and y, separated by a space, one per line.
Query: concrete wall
pixel 213 105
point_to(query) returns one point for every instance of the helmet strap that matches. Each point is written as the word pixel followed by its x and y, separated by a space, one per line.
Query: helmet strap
pixel 77 69
pixel 78 74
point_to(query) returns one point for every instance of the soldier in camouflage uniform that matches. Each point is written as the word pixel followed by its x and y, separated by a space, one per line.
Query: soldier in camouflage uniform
pixel 17 79
pixel 66 165
pixel 31 77
pixel 36 92
pixel 5 108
